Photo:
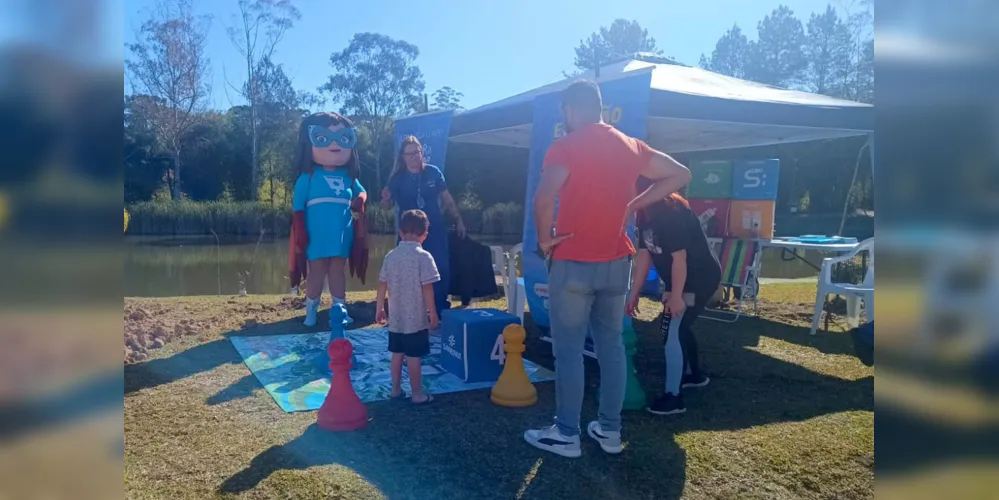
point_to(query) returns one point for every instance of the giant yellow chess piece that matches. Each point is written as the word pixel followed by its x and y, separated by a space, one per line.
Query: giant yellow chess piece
pixel 514 387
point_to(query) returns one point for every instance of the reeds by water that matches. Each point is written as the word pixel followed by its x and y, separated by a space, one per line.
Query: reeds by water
pixel 202 218
pixel 252 218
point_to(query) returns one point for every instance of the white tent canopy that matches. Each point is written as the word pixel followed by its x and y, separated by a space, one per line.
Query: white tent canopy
pixel 690 109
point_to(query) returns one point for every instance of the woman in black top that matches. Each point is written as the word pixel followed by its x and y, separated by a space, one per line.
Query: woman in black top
pixel 671 238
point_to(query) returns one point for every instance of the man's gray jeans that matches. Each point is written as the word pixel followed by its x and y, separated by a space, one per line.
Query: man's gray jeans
pixel 582 296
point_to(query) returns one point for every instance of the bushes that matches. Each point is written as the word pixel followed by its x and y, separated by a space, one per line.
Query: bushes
pixel 380 220
pixel 471 211
pixel 503 219
pixel 250 218
pixel 224 218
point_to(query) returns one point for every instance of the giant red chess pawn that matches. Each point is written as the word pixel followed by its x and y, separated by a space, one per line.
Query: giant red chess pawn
pixel 342 410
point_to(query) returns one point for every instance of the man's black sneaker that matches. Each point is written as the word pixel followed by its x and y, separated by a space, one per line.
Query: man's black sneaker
pixel 694 380
pixel 667 404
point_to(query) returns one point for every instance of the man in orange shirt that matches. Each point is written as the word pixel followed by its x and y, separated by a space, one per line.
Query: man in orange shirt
pixel 592 172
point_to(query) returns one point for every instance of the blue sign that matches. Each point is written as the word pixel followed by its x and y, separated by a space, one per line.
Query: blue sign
pixel 755 180
pixel 626 107
pixel 432 129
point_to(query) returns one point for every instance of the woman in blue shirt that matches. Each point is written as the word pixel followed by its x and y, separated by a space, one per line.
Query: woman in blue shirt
pixel 414 185
pixel 326 193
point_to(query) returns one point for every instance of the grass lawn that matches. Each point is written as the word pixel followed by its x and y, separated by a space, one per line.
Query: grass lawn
pixel 787 415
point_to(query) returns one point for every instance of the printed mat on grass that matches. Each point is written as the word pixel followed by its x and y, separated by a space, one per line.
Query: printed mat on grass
pixel 288 366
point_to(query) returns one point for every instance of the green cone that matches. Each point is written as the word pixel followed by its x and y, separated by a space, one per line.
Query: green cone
pixel 634 396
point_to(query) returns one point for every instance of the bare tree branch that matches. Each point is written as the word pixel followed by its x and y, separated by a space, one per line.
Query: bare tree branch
pixel 169 65
pixel 261 26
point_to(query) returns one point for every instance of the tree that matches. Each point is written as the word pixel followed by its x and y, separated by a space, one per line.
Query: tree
pixel 730 54
pixel 447 98
pixel 274 88
pixel 827 51
pixel 859 76
pixel 144 167
pixel 278 118
pixel 374 79
pixel 777 58
pixel 170 66
pixel 211 154
pixel 259 27
pixel 864 91
pixel 622 39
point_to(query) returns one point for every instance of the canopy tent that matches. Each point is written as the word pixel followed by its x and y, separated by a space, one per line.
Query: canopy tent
pixel 690 109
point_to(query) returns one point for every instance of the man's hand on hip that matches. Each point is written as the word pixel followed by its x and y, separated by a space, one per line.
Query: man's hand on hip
pixel 548 243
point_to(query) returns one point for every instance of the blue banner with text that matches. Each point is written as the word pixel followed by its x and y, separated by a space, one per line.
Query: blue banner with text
pixel 432 129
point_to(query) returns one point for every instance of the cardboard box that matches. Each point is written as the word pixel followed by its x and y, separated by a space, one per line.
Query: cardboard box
pixel 755 180
pixel 752 219
pixel 713 214
pixel 710 179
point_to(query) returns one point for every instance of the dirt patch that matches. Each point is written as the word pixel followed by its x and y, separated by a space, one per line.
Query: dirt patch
pixel 150 327
pixel 152 323
pixel 292 303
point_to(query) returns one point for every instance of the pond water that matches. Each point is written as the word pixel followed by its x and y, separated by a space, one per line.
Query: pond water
pixel 194 265
pixel 171 266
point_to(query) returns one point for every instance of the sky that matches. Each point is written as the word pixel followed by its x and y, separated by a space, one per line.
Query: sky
pixel 487 50
pixel 85 31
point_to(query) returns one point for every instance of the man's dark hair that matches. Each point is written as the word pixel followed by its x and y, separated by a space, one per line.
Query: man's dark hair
pixel 583 96
pixel 414 222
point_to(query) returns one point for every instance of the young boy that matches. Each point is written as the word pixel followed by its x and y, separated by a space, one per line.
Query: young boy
pixel 408 275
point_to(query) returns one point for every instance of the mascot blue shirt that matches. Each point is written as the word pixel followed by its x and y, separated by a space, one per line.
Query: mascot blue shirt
pixel 325 197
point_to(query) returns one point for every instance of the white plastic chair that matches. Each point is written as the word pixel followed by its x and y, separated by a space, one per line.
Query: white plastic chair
pixel 516 291
pixel 499 264
pixel 853 293
pixel 499 260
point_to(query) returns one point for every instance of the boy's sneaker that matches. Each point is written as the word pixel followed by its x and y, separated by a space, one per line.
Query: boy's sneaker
pixel 550 439
pixel 668 404
pixel 694 380
pixel 610 441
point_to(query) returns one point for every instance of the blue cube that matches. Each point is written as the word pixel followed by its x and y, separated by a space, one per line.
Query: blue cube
pixel 472 343
pixel 755 180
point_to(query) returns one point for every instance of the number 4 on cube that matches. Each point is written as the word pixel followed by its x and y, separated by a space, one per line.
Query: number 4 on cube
pixel 498 354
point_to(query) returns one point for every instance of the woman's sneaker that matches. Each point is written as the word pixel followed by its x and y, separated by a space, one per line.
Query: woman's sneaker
pixel 694 380
pixel 668 404
pixel 311 311
pixel 551 439
pixel 610 441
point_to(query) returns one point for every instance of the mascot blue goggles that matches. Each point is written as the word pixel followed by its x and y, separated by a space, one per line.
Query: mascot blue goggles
pixel 322 137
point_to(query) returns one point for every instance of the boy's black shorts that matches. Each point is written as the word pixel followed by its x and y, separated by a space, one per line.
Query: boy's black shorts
pixel 413 345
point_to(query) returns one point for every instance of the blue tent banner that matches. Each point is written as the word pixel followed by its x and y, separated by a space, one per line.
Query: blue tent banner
pixel 432 129
pixel 626 104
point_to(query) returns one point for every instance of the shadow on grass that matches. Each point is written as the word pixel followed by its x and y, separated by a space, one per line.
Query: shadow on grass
pixel 749 388
pixel 464 446
pixel 748 330
pixel 439 452
pixel 242 389
pixel 484 456
pixel 210 355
